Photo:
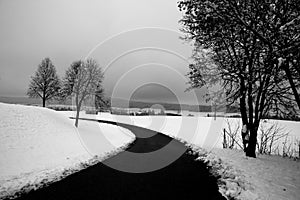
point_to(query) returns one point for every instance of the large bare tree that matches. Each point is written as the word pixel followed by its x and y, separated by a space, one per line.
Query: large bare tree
pixel 231 51
pixel 82 80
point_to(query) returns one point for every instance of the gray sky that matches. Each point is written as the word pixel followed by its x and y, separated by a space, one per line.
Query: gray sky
pixel 68 30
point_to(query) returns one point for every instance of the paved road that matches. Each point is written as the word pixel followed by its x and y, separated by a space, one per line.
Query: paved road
pixel 182 179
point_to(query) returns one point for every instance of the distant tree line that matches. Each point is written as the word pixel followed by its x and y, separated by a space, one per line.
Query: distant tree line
pixel 82 79
pixel 174 106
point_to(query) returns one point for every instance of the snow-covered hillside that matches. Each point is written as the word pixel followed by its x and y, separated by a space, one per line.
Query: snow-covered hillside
pixel 38 145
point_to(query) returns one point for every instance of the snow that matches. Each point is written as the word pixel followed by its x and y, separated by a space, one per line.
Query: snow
pixel 194 130
pixel 98 138
pixel 204 131
pixel 39 146
pixel 291 128
pixel 264 177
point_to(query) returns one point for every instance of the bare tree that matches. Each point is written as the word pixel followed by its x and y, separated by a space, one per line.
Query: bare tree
pixel 82 80
pixel 270 133
pixel 231 134
pixel 45 84
pixel 230 52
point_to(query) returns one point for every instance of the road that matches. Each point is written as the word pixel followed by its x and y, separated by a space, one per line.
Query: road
pixel 182 178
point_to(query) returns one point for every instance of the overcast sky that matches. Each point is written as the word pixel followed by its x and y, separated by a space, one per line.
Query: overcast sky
pixel 136 42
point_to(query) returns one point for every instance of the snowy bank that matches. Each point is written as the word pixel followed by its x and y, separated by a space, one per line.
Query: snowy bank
pixel 264 177
pixel 39 146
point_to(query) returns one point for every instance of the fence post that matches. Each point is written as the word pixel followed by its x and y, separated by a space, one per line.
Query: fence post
pixel 224 139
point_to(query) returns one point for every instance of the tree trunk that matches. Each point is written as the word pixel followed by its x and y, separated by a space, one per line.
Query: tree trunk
pixel 78 105
pixel 293 86
pixel 243 111
pixel 77 116
pixel 224 139
pixel 44 101
pixel 250 150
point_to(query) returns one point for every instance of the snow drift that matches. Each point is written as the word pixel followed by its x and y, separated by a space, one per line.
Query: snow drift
pixel 39 145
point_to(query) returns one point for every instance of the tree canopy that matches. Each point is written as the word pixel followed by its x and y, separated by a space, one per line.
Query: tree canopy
pixel 45 84
pixel 82 79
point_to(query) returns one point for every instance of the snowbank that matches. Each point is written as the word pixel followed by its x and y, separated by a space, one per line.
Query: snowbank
pixel 264 177
pixel 39 146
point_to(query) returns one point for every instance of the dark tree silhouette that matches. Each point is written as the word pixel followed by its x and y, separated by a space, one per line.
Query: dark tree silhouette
pixel 45 84
pixel 234 50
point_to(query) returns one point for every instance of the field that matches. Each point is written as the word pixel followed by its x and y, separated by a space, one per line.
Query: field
pixel 40 145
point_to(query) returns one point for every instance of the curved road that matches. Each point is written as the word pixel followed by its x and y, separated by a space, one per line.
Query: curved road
pixel 182 179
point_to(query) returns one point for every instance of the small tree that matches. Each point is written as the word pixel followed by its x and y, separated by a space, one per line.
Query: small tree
pixel 82 80
pixel 230 135
pixel 270 133
pixel 45 84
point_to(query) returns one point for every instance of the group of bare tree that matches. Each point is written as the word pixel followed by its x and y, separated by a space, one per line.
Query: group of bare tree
pixel 268 137
pixel 82 79
pixel 250 49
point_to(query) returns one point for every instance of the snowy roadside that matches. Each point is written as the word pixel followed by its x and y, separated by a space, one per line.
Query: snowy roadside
pixel 264 177
pixel 39 146
pixel 240 177
pixel 243 178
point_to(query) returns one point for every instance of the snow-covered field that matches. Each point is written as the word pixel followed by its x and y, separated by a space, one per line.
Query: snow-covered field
pixel 195 130
pixel 202 131
pixel 39 145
